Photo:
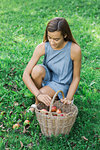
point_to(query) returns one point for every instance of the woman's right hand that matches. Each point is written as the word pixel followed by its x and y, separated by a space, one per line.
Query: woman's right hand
pixel 44 98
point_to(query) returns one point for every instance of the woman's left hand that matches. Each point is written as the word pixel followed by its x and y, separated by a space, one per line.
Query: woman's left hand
pixel 66 101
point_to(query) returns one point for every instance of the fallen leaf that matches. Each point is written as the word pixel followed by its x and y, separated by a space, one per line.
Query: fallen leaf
pixel 30 145
pixel 12 69
pixel 1 126
pixel 8 129
pixel 24 131
pixel 25 128
pixel 97 68
pixel 11 113
pixel 83 137
pixel 21 145
pixel 81 107
pixel 15 103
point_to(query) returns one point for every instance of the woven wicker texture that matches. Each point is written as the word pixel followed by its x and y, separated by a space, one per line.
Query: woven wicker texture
pixel 52 123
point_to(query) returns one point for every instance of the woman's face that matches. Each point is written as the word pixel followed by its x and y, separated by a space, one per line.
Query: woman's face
pixel 56 39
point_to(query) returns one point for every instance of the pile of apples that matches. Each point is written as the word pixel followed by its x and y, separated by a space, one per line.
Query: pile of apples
pixel 53 109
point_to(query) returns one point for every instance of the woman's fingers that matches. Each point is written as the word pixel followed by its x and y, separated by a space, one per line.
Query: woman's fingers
pixel 45 99
pixel 62 100
pixel 66 101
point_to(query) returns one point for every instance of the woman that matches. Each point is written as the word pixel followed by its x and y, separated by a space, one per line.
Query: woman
pixel 61 65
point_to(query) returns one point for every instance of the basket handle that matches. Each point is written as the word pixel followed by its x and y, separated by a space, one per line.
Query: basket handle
pixel 54 98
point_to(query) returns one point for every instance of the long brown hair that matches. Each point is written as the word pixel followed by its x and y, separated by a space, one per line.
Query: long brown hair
pixel 59 24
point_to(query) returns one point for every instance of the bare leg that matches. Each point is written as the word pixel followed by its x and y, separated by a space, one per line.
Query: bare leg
pixel 38 74
pixel 47 90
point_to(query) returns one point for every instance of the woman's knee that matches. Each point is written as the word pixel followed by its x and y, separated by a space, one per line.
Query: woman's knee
pixel 37 72
pixel 47 90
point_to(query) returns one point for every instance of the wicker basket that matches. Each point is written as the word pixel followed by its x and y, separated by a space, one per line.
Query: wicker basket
pixel 52 123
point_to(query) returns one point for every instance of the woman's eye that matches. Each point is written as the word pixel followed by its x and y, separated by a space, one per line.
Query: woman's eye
pixel 54 39
pixel 49 37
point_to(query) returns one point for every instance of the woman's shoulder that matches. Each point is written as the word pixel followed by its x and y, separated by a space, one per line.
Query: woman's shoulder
pixel 41 45
pixel 75 50
pixel 75 47
pixel 41 48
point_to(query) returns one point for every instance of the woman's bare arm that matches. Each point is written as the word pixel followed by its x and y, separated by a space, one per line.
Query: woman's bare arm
pixel 38 52
pixel 76 57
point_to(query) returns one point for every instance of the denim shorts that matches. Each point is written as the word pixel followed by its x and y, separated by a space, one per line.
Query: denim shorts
pixel 47 81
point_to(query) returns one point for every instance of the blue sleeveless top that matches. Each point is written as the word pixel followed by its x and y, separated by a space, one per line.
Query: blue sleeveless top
pixel 59 68
pixel 59 63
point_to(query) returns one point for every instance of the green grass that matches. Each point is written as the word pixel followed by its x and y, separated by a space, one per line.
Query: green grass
pixel 22 25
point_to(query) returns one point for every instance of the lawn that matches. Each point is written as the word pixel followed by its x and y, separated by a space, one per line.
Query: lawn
pixel 22 26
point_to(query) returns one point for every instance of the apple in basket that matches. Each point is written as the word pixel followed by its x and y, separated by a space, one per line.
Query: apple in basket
pixel 58 111
pixel 53 109
pixel 61 115
pixel 44 111
pixel 54 114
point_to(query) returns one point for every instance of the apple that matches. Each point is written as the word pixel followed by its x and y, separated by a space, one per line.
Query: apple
pixel 26 122
pixel 54 114
pixel 53 109
pixel 58 111
pixel 43 111
pixel 64 114
pixel 16 126
pixel 61 114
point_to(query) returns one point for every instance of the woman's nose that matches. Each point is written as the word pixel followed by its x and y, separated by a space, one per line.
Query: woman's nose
pixel 52 41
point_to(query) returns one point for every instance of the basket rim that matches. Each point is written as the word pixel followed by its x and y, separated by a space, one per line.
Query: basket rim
pixel 51 113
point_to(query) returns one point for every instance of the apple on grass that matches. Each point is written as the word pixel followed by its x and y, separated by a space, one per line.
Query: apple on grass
pixel 16 126
pixel 26 122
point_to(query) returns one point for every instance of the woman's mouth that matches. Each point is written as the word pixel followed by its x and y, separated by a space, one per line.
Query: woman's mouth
pixel 53 45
